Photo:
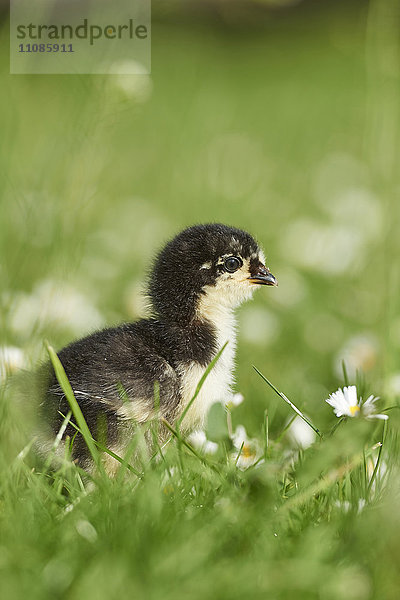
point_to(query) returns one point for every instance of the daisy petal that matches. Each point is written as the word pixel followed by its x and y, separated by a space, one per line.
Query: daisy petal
pixel 378 416
pixel 345 402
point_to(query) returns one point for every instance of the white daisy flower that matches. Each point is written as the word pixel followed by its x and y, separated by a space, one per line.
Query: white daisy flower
pixel 300 434
pixel 234 401
pixel 199 440
pixel 11 359
pixel 346 403
pixel 248 448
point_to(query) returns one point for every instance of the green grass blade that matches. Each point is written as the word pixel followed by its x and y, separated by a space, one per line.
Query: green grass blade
pixel 75 408
pixel 56 442
pixel 103 448
pixel 178 436
pixel 286 399
pixel 266 433
pixel 239 454
pixel 378 460
pixel 345 374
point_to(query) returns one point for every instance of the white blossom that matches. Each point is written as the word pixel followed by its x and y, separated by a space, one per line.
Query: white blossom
pixel 346 403
pixel 11 359
pixel 199 440
pixel 234 400
pixel 300 434
pixel 249 448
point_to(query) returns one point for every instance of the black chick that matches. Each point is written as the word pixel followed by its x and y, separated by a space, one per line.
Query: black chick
pixel 197 281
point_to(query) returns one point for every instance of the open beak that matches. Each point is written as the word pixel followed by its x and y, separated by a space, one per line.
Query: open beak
pixel 263 277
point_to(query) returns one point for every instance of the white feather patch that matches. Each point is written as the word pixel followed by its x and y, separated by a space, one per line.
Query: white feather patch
pixel 216 305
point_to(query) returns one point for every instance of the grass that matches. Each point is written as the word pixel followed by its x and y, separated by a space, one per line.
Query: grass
pixel 195 524
pixel 287 129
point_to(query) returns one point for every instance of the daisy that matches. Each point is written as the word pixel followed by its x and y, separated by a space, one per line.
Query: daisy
pixel 300 434
pixel 345 403
pixel 199 440
pixel 234 400
pixel 11 359
pixel 248 448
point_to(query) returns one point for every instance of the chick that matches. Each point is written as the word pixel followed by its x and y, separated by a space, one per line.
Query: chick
pixel 197 281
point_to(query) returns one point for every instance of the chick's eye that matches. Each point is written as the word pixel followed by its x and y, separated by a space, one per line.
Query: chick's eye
pixel 232 264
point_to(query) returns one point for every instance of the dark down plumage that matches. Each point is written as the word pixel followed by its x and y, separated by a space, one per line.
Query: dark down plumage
pixel 197 281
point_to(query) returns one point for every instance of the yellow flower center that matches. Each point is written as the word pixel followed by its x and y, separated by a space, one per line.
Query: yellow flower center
pixel 354 410
pixel 247 451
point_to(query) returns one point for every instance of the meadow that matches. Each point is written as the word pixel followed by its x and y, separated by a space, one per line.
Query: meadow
pixel 286 126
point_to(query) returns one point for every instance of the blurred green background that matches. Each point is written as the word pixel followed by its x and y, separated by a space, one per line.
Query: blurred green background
pixel 277 117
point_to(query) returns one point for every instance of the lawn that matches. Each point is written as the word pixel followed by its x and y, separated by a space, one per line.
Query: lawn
pixel 284 124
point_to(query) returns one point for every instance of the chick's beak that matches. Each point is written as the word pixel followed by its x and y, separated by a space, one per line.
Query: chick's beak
pixel 263 276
